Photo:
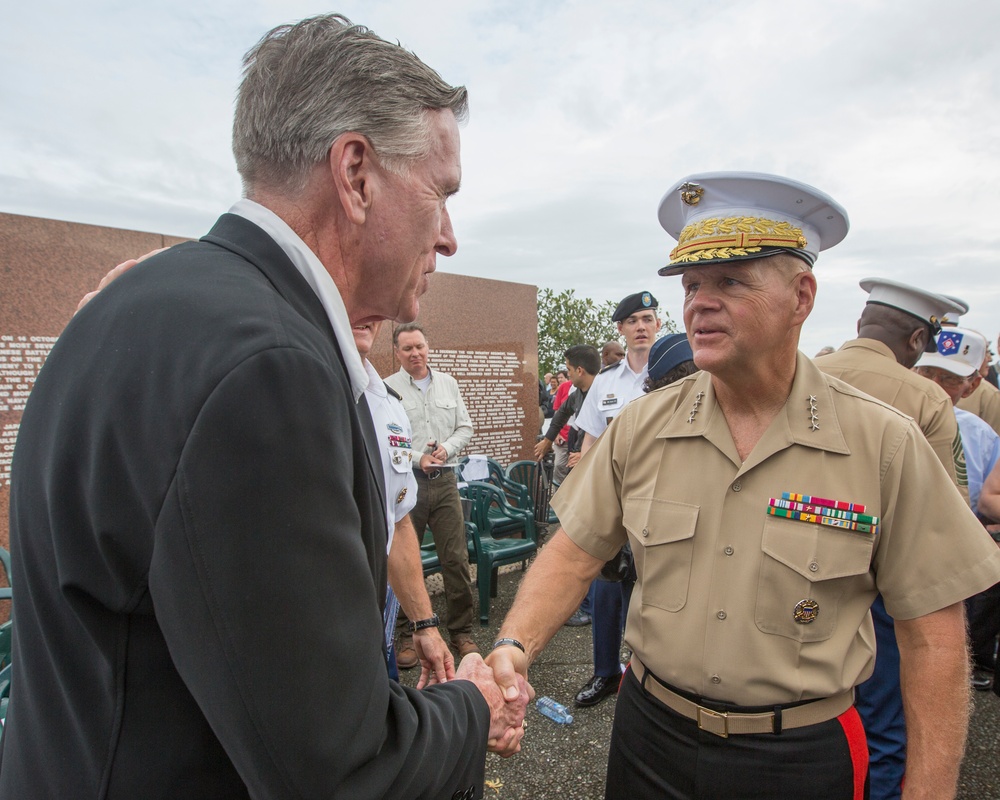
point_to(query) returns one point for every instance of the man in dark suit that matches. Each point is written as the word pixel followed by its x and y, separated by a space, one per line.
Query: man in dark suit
pixel 197 510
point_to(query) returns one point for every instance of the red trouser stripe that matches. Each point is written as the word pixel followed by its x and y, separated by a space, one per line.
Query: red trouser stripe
pixel 857 743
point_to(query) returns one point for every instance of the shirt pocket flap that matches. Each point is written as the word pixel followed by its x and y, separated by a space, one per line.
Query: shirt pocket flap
pixel 815 552
pixel 662 536
pixel 652 522
pixel 444 402
pixel 401 459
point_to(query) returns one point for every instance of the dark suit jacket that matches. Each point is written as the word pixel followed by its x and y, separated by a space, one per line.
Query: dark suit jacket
pixel 199 549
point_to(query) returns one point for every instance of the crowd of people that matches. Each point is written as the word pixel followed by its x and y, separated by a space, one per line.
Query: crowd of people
pixel 217 502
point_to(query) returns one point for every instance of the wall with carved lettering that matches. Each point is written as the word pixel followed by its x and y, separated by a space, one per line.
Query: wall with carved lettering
pixel 482 332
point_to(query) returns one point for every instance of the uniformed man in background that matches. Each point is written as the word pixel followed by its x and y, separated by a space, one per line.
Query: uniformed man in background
pixel 615 385
pixel 898 325
pixel 767 503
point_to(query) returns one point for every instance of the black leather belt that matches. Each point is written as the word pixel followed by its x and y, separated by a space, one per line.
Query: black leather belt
pixel 430 476
pixel 727 723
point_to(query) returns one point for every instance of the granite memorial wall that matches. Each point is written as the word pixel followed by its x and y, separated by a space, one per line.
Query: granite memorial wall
pixel 483 332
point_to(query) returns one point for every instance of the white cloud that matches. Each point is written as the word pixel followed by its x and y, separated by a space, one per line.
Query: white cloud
pixel 583 113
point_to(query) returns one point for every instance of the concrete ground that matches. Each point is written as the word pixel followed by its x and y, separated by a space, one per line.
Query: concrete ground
pixel 567 762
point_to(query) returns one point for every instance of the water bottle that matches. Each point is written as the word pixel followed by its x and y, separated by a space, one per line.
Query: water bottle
pixel 557 712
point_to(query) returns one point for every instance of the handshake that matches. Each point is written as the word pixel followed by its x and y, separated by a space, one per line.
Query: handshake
pixel 501 680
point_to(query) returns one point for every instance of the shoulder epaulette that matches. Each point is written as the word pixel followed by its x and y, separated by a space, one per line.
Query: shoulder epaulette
pixel 610 367
pixel 393 392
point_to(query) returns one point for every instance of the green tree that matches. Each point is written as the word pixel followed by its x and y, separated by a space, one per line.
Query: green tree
pixel 565 320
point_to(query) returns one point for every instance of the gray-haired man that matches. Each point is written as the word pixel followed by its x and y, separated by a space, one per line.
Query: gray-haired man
pixel 197 502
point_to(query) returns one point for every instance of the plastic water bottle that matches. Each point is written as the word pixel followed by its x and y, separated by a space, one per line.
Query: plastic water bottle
pixel 557 712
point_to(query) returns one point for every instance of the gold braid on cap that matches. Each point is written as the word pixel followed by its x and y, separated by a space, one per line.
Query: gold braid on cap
pixel 733 236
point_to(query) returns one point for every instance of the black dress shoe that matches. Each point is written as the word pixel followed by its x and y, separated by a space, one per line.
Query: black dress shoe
pixel 596 689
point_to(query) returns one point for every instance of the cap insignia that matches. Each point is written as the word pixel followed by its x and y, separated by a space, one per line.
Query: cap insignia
pixel 691 193
pixel 813 415
pixel 647 299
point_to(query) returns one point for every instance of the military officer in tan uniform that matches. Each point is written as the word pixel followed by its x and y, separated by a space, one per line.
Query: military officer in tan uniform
pixel 766 503
pixel 897 326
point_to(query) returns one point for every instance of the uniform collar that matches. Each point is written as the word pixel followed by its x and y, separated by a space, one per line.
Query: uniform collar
pixel 870 344
pixel 809 417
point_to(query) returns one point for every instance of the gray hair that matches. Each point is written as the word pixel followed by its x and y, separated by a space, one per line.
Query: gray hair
pixel 306 84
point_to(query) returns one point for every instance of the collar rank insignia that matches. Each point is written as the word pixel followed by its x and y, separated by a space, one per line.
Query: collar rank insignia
pixel 695 407
pixel 813 415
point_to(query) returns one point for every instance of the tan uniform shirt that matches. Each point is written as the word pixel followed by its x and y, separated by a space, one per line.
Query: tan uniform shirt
pixel 870 366
pixel 984 403
pixel 719 579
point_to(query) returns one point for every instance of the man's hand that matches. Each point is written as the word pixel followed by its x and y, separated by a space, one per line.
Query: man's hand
pixel 573 459
pixel 542 448
pixel 428 463
pixel 117 272
pixel 506 715
pixel 508 664
pixel 437 664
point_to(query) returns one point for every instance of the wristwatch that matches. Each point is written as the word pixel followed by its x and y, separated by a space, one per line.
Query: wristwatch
pixel 420 624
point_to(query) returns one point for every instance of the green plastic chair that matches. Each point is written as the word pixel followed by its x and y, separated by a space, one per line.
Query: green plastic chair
pixel 532 475
pixel 491 554
pixel 517 493
pixel 428 554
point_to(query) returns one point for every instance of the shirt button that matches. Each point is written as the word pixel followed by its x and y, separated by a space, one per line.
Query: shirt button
pixel 721 615
pixel 645 531
pixel 813 566
pixel 728 551
pixel 737 486
pixel 716 679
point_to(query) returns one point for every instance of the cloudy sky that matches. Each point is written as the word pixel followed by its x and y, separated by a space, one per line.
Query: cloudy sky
pixel 582 115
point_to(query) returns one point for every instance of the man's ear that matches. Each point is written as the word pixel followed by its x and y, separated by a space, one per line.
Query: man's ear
pixel 972 385
pixel 354 172
pixel 805 294
pixel 917 343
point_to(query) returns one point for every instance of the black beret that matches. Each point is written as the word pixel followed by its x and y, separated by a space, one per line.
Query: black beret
pixel 631 304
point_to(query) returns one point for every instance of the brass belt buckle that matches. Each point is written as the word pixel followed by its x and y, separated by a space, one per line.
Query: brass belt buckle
pixel 714 722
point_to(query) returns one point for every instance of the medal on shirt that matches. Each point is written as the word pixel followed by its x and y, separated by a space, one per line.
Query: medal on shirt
pixel 821 511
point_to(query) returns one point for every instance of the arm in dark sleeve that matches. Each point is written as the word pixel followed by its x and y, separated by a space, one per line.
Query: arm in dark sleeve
pixel 562 415
pixel 262 586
